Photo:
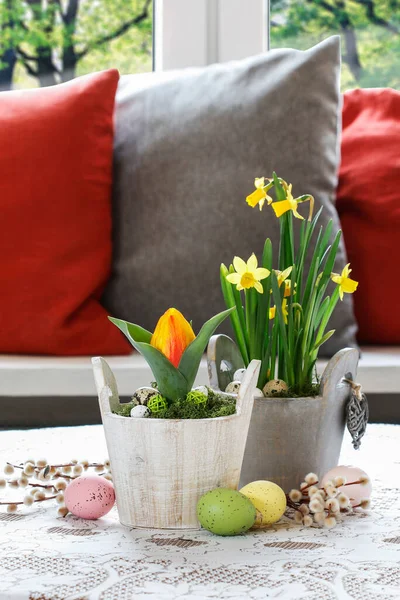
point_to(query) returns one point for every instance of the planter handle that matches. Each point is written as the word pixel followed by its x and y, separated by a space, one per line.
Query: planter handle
pixel 106 386
pixel 342 365
pixel 244 404
pixel 223 359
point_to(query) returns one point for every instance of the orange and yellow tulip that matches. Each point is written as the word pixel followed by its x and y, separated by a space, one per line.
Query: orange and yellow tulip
pixel 173 339
pixel 172 335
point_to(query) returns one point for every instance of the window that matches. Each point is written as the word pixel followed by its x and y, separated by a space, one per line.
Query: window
pixel 370 32
pixel 43 42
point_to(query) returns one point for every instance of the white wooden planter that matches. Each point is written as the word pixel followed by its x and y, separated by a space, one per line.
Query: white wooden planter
pixel 161 467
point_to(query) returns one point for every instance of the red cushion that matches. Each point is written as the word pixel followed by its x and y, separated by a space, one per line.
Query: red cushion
pixel 55 215
pixel 368 202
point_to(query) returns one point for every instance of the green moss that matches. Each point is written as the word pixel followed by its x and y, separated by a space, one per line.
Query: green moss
pixel 216 405
pixel 124 409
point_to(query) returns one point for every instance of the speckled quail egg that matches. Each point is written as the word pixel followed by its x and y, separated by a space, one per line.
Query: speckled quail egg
pixel 274 388
pixel 143 395
pixel 140 411
pixel 239 375
pixel 202 389
pixel 233 387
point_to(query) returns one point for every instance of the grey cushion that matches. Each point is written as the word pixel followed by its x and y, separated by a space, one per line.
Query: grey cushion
pixel 188 145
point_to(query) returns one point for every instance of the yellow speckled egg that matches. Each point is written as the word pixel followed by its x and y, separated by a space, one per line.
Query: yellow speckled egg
pixel 269 500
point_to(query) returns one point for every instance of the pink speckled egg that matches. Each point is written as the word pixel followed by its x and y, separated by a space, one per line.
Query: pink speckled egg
pixel 89 497
pixel 356 492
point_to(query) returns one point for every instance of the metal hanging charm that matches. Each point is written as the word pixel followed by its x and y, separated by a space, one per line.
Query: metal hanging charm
pixel 357 413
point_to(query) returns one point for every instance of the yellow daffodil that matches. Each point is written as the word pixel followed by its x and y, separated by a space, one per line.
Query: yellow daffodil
pixel 346 285
pixel 248 274
pixel 292 204
pixel 288 288
pixel 284 206
pixel 172 335
pixel 285 312
pixel 283 278
pixel 259 196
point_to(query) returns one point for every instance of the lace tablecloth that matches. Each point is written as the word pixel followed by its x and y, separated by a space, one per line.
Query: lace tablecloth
pixel 43 557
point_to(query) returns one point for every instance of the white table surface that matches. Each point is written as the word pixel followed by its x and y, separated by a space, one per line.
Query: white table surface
pixel 43 557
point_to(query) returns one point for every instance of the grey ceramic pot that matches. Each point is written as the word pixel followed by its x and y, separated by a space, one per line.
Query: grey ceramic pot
pixel 289 437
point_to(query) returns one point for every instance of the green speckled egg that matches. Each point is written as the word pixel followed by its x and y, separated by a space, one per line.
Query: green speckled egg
pixel 225 512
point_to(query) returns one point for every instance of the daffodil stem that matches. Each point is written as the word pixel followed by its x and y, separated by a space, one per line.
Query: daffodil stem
pixel 237 318
pixel 325 319
pixel 285 365
pixel 251 308
pixel 242 321
pixel 265 365
pixel 274 344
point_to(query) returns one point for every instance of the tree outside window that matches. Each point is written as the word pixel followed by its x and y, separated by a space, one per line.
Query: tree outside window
pixel 44 42
pixel 370 31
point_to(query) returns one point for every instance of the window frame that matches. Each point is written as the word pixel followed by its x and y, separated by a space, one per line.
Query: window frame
pixel 195 33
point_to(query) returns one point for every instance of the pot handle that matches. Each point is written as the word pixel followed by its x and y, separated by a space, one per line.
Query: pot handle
pixel 223 359
pixel 106 385
pixel 342 365
pixel 244 404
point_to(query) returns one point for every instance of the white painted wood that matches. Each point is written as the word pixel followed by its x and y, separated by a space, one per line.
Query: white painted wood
pixel 161 467
pixel 242 29
pixel 36 376
pixel 181 34
pixel 195 33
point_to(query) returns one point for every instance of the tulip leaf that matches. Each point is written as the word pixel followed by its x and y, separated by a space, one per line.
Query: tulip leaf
pixel 190 361
pixel 171 383
pixel 133 332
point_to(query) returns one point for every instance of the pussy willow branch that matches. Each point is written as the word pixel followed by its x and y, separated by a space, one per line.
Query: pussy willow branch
pixel 296 505
pixel 359 481
pixel 22 502
pixel 62 476
pixel 306 499
pixel 42 486
pixel 90 465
